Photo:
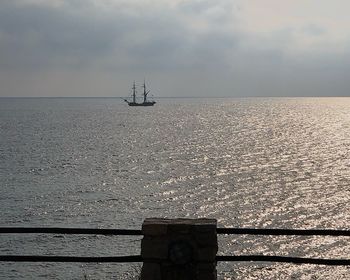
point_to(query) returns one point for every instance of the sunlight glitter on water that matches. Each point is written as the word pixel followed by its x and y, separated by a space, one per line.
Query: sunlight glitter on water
pixel 247 162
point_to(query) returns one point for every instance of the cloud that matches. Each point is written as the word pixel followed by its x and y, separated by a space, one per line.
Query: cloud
pixel 56 34
pixel 240 47
pixel 311 26
pixel 35 35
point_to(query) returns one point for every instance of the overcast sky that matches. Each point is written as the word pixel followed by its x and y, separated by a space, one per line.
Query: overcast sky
pixel 182 47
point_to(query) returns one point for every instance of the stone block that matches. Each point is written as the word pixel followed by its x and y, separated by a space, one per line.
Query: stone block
pixel 206 239
pixel 154 227
pixel 179 249
pixel 206 275
pixel 207 254
pixel 179 228
pixel 154 248
pixel 205 225
pixel 151 271
pixel 171 272
pixel 205 266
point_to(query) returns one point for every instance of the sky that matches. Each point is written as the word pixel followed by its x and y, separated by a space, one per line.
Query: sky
pixel 204 48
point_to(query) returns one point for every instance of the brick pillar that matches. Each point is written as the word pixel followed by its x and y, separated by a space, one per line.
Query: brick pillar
pixel 179 249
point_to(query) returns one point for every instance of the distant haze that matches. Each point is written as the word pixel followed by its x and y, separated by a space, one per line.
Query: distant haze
pixel 209 48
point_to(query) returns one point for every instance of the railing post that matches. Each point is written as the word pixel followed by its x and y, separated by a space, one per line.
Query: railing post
pixel 179 249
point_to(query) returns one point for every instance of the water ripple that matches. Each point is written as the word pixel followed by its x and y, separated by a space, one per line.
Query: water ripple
pixel 246 162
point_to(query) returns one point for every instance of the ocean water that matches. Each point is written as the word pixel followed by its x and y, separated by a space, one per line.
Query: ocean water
pixel 255 162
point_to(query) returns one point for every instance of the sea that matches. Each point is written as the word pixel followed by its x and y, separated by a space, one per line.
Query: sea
pixel 247 162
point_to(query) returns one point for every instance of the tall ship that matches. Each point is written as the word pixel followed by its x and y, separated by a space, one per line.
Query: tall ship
pixel 145 94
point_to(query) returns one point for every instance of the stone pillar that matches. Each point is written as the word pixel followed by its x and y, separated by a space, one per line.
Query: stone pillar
pixel 179 249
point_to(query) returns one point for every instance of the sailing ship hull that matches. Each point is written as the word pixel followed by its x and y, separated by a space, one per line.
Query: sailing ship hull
pixel 142 104
pixel 145 93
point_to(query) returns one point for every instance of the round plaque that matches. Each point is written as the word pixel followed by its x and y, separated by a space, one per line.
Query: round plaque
pixel 180 252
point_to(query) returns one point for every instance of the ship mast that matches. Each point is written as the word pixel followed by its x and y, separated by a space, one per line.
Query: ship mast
pixel 145 92
pixel 134 93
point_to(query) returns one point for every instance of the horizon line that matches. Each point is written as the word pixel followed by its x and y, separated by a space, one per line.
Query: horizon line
pixel 177 97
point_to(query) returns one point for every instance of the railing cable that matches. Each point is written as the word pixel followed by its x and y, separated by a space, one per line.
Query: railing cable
pixel 56 230
pixel 279 259
pixel 120 259
pixel 302 232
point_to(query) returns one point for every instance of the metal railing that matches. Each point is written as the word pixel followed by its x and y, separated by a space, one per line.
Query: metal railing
pixel 301 232
pixel 96 231
pixel 283 259
pixel 81 231
pixel 138 258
